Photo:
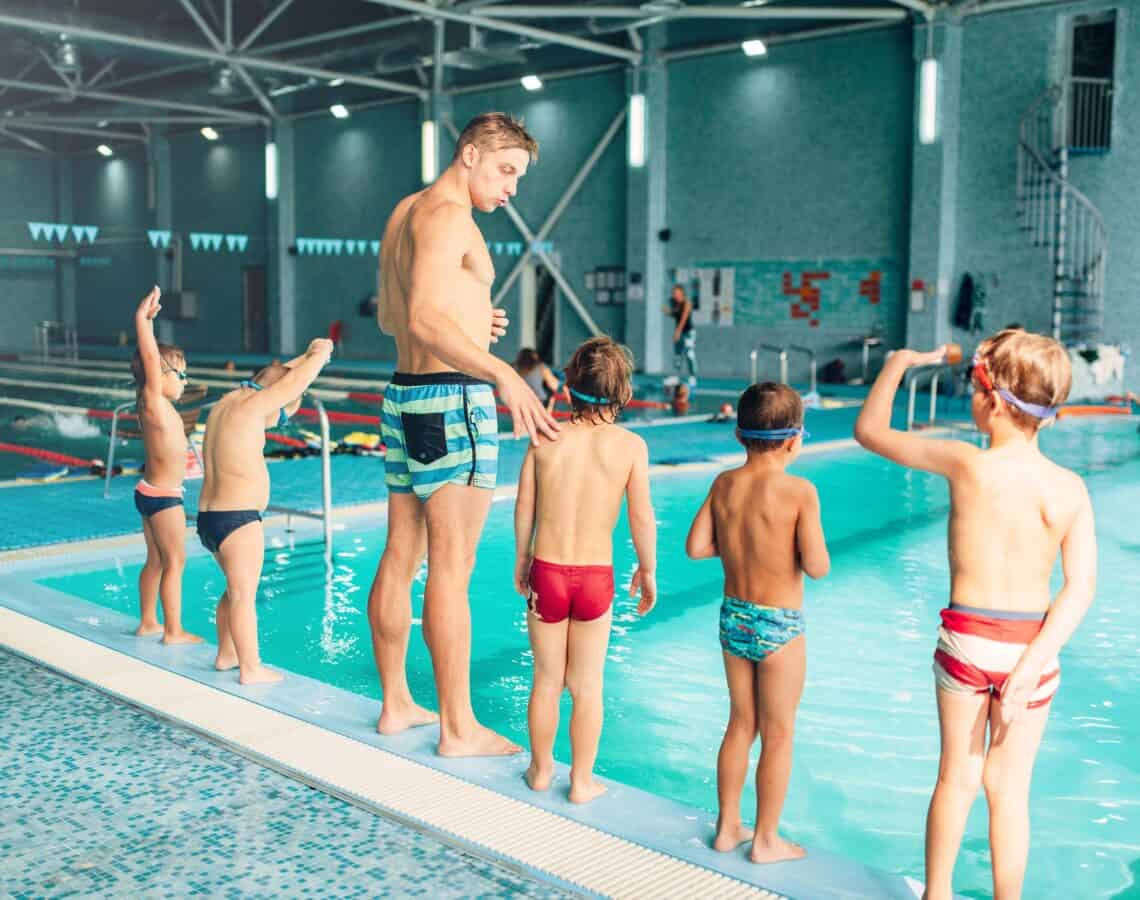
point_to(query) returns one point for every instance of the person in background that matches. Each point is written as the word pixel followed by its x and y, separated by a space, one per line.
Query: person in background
pixel 684 338
pixel 538 375
pixel 680 400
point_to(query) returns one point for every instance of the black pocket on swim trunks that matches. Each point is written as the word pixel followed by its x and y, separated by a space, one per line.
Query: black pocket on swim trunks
pixel 425 439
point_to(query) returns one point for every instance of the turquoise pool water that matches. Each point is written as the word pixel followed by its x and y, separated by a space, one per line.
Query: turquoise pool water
pixel 867 747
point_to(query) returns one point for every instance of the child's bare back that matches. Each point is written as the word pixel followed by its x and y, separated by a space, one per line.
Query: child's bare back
pixel 581 479
pixel 1010 509
pixel 754 509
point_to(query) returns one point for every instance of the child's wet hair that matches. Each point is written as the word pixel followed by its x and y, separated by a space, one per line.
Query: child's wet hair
pixel 1034 368
pixel 602 369
pixel 172 358
pixel 768 406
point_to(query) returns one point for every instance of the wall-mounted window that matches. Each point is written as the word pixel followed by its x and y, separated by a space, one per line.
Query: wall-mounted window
pixel 1090 83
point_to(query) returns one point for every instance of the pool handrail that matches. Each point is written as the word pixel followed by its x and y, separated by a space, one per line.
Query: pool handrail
pixel 781 352
pixel 913 376
pixel 797 348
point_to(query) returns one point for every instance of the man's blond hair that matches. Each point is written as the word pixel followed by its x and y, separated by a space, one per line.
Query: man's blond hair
pixel 496 131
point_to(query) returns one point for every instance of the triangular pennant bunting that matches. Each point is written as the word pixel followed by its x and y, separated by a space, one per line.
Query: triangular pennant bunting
pixel 60 232
pixel 195 240
pixel 350 248
pixel 337 247
pixel 362 247
pixel 37 229
pixel 77 233
pixel 374 246
pixel 92 232
pixel 514 248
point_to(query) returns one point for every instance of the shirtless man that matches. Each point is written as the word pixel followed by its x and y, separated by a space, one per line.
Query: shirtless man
pixel 439 424
pixel 235 490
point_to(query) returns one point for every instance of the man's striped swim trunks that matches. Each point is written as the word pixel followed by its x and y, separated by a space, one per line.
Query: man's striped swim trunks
pixel 439 429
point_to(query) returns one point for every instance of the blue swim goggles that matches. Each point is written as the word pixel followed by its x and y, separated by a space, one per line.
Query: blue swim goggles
pixel 282 416
pixel 980 371
pixel 589 398
pixel 772 434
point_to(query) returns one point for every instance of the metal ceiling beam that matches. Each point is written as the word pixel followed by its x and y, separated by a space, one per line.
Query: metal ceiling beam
pixel 351 31
pixel 160 46
pixel 101 74
pixel 539 34
pixel 258 94
pixel 698 12
pixel 130 118
pixel 72 129
pixel 265 23
pixel 20 76
pixel 26 141
pixel 774 39
pixel 227 114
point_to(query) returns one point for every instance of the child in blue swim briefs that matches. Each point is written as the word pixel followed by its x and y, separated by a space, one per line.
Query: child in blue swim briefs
pixel 764 525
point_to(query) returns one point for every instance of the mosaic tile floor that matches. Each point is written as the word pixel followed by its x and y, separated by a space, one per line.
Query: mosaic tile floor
pixel 100 799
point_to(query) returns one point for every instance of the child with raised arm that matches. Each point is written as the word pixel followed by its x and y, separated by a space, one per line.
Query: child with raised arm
pixel 569 498
pixel 1012 511
pixel 764 525
pixel 235 490
pixel 160 378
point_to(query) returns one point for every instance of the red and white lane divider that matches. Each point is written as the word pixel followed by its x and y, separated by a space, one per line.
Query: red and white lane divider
pixel 46 455
pixel 101 369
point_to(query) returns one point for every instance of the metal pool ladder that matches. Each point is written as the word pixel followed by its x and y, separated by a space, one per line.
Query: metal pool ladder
pixel 325 515
pixel 781 352
pixel 913 377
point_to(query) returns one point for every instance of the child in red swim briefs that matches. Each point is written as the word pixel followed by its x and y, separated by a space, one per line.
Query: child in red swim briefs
pixel 569 497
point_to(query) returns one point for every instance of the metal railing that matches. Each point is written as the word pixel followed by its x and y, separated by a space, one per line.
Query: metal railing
pixel 45 331
pixel 781 352
pixel 807 351
pixel 913 377
pixel 1059 217
pixel 325 515
pixel 1089 114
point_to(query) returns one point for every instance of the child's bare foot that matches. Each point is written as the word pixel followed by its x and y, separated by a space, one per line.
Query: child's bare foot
pixel 181 637
pixel 538 777
pixel 395 720
pixel 479 741
pixel 259 674
pixel 585 791
pixel 775 850
pixel 225 661
pixel 729 837
pixel 146 628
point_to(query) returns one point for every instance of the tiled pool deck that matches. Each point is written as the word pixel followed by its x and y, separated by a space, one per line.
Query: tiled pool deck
pixel 99 798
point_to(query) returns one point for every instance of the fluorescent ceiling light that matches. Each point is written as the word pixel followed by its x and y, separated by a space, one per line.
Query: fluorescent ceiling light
pixel 336 82
pixel 271 171
pixel 928 102
pixel 339 110
pixel 429 148
pixel 104 150
pixel 754 47
pixel 209 133
pixel 637 130
pixel 532 82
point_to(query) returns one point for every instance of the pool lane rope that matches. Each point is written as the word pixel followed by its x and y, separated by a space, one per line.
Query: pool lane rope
pixel 46 455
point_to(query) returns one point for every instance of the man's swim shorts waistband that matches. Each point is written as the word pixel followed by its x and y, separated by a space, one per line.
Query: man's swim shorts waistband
pixel 408 379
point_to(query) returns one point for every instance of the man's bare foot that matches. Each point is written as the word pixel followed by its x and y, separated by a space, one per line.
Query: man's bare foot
pixel 259 674
pixel 181 637
pixel 729 837
pixel 225 661
pixel 538 777
pixel 585 791
pixel 393 721
pixel 777 850
pixel 479 741
pixel 146 628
